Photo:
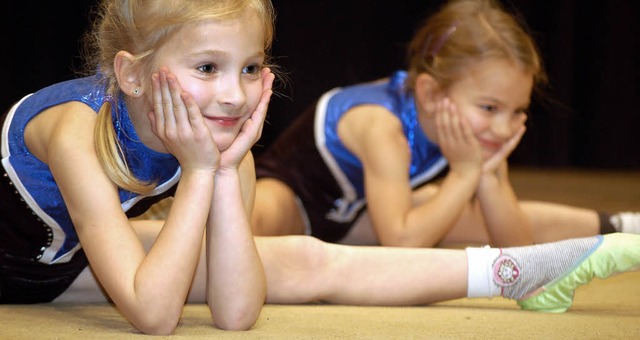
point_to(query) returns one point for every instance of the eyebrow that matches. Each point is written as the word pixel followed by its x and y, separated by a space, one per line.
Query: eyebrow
pixel 220 54
pixel 499 102
pixel 213 53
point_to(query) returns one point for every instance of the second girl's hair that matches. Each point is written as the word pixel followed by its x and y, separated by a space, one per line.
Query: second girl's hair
pixel 141 27
pixel 464 32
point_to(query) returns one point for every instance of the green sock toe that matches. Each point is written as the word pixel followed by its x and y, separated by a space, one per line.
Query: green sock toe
pixel 614 253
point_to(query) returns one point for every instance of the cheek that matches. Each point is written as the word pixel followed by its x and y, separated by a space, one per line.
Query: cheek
pixel 254 93
pixel 196 92
pixel 478 122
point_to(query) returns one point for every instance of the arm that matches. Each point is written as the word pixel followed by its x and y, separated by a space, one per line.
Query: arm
pixel 236 279
pixel 505 220
pixel 149 289
pixel 375 136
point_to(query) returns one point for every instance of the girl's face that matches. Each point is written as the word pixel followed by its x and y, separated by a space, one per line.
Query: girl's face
pixel 218 63
pixel 494 96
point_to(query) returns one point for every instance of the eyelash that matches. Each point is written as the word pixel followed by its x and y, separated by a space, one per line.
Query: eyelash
pixel 493 109
pixel 488 108
pixel 251 69
pixel 255 69
pixel 201 68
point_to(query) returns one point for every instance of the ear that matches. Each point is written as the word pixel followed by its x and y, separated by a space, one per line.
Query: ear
pixel 427 92
pixel 124 67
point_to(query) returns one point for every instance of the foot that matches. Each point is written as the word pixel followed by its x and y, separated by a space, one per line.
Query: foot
pixel 615 253
pixel 626 222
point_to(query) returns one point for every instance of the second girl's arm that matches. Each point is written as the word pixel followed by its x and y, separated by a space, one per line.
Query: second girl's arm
pixel 375 136
pixel 506 222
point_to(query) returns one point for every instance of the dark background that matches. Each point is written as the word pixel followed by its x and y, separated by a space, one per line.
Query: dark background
pixel 589 118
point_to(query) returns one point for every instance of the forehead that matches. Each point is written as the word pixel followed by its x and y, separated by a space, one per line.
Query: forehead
pixel 496 78
pixel 244 32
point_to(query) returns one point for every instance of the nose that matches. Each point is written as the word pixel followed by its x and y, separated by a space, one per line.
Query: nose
pixel 230 92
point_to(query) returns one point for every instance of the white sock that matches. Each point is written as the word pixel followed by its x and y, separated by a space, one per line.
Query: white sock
pixel 515 272
pixel 626 222
pixel 480 272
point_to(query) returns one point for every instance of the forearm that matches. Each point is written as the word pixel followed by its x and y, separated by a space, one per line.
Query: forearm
pixel 164 276
pixel 430 219
pixel 506 222
pixel 236 280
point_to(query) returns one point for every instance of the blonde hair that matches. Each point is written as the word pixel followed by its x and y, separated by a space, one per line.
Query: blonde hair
pixel 141 27
pixel 464 32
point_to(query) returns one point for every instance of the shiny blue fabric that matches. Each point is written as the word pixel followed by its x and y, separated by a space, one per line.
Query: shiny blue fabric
pixel 34 180
pixel 426 159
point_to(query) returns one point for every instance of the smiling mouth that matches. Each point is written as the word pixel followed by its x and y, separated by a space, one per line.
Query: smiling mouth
pixel 224 121
pixel 491 145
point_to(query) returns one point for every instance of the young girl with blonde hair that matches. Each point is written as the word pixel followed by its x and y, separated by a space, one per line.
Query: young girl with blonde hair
pixel 179 97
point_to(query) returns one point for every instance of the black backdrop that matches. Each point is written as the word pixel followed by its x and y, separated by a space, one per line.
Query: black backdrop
pixel 590 117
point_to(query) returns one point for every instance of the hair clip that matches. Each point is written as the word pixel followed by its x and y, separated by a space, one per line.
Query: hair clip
pixel 443 39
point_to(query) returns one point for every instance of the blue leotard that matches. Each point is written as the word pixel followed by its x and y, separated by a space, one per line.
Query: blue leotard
pixel 326 177
pixel 35 183
pixel 426 159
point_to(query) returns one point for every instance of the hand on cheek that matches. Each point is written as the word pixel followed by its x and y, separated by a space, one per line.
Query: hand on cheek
pixel 492 164
pixel 252 128
pixel 456 139
pixel 176 120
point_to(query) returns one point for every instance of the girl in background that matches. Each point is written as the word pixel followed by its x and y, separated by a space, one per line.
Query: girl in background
pixel 420 159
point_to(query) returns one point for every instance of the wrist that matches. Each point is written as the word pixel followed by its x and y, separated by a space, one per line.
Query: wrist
pixel 468 178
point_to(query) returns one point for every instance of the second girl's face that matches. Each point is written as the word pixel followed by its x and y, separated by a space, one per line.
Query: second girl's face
pixel 494 96
pixel 219 64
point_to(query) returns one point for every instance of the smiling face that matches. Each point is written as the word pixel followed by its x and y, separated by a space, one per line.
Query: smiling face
pixel 218 63
pixel 493 95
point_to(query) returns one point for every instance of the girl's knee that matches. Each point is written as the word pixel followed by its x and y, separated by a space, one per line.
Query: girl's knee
pixel 297 268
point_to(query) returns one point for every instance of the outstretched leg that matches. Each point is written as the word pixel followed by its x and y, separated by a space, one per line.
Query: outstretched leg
pixel 303 269
pixel 542 277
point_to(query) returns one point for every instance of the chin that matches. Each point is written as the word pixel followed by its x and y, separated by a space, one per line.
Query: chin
pixel 223 144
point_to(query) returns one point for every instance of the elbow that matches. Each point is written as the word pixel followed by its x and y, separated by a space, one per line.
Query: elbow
pixel 235 319
pixel 154 319
pixel 157 324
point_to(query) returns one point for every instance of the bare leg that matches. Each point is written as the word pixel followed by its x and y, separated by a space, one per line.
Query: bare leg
pixel 86 289
pixel 275 211
pixel 552 222
pixel 303 269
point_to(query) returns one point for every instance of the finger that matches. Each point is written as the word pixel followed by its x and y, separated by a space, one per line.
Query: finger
pixel 467 132
pixel 513 142
pixel 267 79
pixel 440 124
pixel 158 113
pixel 178 107
pixel 167 102
pixel 194 117
pixel 252 128
pixel 258 116
pixel 456 124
